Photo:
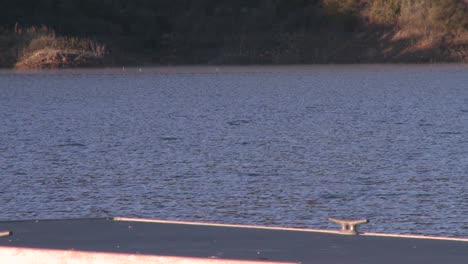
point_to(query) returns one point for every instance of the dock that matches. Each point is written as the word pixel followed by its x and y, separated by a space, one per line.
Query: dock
pixel 132 240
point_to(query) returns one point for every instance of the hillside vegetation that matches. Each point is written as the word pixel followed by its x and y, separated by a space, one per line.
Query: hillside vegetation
pixel 63 33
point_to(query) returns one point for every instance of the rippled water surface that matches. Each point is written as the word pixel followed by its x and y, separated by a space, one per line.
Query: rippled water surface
pixel 285 146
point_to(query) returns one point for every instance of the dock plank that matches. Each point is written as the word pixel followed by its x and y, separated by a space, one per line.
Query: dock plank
pixel 224 242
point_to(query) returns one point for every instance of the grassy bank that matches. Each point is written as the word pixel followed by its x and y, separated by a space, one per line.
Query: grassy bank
pixel 70 33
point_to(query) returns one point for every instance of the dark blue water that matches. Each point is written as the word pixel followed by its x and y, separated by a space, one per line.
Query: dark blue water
pixel 285 146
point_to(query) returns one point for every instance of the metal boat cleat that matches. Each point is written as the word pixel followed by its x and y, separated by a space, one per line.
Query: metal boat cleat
pixel 5 233
pixel 348 226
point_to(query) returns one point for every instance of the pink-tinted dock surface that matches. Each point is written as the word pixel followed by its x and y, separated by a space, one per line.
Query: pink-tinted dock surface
pixel 129 241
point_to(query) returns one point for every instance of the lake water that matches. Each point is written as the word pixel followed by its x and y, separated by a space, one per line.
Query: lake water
pixel 286 146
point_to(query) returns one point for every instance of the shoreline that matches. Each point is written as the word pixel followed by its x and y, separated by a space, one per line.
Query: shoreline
pixel 91 63
pixel 210 68
pixel 42 49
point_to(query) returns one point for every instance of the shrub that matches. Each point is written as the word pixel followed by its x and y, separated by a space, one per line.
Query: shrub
pixel 449 15
pixel 385 11
pixel 436 16
pixel 39 47
pixel 32 39
pixel 344 13
pixel 342 7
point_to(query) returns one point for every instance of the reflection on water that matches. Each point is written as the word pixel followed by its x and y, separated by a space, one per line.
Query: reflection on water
pixel 254 145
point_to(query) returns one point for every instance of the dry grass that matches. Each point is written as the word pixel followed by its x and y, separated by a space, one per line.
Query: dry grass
pixel 437 29
pixel 73 45
pixel 40 47
pixel 54 58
